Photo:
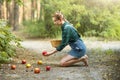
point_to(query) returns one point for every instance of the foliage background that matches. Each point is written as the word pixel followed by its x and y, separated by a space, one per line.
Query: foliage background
pixel 99 18
pixel 92 18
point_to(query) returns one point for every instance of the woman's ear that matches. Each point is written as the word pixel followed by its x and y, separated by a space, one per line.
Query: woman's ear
pixel 61 19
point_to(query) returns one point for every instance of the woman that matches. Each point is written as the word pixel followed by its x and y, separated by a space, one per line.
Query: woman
pixel 70 37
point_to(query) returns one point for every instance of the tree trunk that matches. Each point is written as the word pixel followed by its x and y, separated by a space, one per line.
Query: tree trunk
pixel 35 10
pixel 41 10
pixel 32 9
pixel 11 14
pixel 4 11
pixel 0 10
pixel 23 11
pixel 16 16
pixel 7 10
pixel 38 10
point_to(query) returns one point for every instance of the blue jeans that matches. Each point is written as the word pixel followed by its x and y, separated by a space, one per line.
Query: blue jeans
pixel 78 49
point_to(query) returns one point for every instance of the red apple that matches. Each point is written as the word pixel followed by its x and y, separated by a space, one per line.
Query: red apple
pixel 36 70
pixel 48 68
pixel 13 67
pixel 23 61
pixel 44 53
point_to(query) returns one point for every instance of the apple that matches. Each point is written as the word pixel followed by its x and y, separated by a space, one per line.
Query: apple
pixel 39 62
pixel 23 61
pixel 13 67
pixel 48 68
pixel 44 53
pixel 28 65
pixel 36 70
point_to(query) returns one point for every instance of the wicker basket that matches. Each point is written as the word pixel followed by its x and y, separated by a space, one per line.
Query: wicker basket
pixel 55 43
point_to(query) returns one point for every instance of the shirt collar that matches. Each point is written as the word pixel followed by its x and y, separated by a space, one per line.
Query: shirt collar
pixel 63 25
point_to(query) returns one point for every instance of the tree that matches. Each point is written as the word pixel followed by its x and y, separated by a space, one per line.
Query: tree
pixel 16 16
pixel 0 10
pixel 11 12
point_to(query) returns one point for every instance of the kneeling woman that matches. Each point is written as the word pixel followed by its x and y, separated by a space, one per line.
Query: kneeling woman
pixel 70 37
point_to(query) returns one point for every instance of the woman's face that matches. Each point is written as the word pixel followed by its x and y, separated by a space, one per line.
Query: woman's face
pixel 57 22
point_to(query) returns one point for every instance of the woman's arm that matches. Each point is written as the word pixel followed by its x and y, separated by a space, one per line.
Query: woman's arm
pixel 50 53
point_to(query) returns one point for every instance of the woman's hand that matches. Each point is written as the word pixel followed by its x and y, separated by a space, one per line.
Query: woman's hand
pixel 50 53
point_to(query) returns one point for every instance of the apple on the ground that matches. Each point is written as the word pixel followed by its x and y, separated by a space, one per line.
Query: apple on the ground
pixel 39 62
pixel 28 65
pixel 36 70
pixel 23 61
pixel 48 68
pixel 13 67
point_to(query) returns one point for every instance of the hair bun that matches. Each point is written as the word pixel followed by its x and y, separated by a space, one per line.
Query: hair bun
pixel 58 15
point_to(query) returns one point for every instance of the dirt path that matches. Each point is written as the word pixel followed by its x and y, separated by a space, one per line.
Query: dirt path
pixel 41 45
pixel 102 65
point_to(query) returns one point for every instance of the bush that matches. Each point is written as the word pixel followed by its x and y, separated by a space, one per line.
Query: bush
pixel 37 29
pixel 8 42
pixel 34 29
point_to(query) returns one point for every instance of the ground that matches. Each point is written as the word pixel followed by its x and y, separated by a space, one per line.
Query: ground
pixel 104 63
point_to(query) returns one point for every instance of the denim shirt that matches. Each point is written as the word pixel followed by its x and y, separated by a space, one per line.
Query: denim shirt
pixel 69 35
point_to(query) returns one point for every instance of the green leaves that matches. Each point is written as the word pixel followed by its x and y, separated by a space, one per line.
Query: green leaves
pixel 99 18
pixel 8 43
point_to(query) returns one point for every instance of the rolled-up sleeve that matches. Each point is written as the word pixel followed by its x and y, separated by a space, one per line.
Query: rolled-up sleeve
pixel 65 38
